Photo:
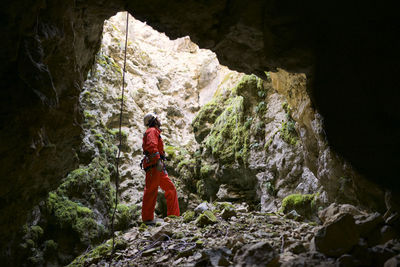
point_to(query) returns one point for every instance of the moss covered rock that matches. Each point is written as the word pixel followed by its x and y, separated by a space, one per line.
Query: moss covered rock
pixel 229 138
pixel 124 217
pixel 188 216
pixel 302 204
pixel 100 252
pixel 206 218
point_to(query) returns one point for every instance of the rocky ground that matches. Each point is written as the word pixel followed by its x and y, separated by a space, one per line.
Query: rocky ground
pixel 229 234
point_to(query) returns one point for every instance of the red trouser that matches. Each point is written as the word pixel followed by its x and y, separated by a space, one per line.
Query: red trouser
pixel 154 178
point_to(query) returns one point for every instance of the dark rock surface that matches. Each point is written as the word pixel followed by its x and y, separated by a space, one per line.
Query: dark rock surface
pixel 350 53
pixel 338 237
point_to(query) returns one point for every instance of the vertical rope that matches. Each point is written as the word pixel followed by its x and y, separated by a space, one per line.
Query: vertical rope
pixel 120 140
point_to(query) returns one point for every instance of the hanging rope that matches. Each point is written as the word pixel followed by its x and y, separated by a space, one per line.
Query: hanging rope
pixel 120 140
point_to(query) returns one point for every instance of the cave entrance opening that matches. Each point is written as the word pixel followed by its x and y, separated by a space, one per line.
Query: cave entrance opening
pixel 173 78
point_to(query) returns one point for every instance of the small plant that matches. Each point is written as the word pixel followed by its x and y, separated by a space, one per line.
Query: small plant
pixel 261 107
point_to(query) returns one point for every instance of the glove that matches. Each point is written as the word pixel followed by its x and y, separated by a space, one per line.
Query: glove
pixel 159 165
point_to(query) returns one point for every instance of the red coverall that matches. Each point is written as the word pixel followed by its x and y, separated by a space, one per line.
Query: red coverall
pixel 153 147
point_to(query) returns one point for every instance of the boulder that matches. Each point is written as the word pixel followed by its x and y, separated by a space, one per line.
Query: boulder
pixel 328 213
pixel 202 207
pixel 227 213
pixel 366 225
pixel 215 257
pixel 336 237
pixel 382 235
pixel 259 254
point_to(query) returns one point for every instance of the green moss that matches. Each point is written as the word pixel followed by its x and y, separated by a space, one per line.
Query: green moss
pixel 171 151
pixel 179 235
pixel 288 133
pixel 206 117
pixel 50 245
pixel 87 94
pixel 70 215
pixel 288 130
pixel 88 115
pixel 267 144
pixel 124 216
pixel 223 205
pixel 89 185
pixel 119 98
pixel 30 243
pixel 200 187
pixel 143 227
pixel 199 243
pixel 100 252
pixel 248 84
pixel 206 218
pixel 261 108
pixel 185 163
pixel 229 137
pixel 188 216
pixel 50 249
pixel 270 188
pixel 206 170
pixel 248 123
pixel 36 232
pixel 300 203
pixel 115 133
pixel 108 63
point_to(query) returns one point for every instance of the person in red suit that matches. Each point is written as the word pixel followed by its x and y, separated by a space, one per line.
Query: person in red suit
pixel 156 175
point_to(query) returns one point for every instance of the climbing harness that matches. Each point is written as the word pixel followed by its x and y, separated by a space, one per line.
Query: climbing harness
pixel 120 141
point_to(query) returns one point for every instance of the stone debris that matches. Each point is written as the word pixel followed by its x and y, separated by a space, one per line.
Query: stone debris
pixel 258 239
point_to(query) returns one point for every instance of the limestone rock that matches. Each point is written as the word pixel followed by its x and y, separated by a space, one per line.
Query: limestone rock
pixel 202 207
pixel 328 214
pixel 224 193
pixel 258 254
pixel 336 237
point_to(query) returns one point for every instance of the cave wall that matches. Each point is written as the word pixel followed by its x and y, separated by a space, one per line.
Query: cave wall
pixel 46 54
pixel 349 52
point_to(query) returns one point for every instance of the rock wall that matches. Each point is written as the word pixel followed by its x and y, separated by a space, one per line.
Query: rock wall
pixel 262 141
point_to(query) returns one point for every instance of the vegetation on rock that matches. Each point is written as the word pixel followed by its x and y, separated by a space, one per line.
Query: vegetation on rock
pixel 303 204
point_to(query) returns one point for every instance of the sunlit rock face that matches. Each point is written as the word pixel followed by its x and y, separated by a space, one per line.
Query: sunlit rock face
pixel 47 52
pixel 172 78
